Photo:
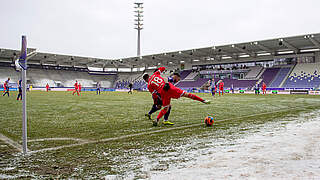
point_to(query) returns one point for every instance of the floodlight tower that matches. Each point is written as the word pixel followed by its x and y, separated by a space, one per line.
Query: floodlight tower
pixel 138 24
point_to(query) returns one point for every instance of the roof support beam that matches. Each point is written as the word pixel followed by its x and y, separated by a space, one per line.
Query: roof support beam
pixel 288 45
pixel 263 47
pixel 243 50
pixel 314 41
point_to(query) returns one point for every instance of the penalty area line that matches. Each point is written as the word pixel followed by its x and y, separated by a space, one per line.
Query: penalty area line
pixel 161 130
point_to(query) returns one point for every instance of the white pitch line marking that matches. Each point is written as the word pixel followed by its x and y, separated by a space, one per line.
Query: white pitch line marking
pixel 58 139
pixel 11 142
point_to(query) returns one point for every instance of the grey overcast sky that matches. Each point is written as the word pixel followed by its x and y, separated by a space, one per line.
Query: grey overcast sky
pixel 104 28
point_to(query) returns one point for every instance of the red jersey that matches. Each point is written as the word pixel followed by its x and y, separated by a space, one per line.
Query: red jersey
pixel 5 85
pixel 221 84
pixel 264 86
pixel 76 85
pixel 79 86
pixel 156 82
pixel 47 86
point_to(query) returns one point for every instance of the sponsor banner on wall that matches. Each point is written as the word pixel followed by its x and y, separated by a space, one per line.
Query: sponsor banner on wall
pixel 314 92
pixel 299 92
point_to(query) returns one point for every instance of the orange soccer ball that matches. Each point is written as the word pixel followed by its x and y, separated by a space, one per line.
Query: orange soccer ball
pixel 209 121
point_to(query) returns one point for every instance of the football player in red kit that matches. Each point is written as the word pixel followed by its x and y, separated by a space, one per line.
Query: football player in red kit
pixel 47 87
pixel 79 87
pixel 264 88
pixel 157 84
pixel 6 88
pixel 76 88
pixel 221 85
pixel 157 102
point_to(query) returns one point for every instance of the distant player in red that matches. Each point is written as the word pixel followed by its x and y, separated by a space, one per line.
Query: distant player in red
pixel 221 85
pixel 79 87
pixel 157 84
pixel 264 88
pixel 76 88
pixel 47 87
pixel 6 88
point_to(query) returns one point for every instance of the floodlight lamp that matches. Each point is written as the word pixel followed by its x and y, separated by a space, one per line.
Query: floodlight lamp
pixel 181 61
pixel 281 40
pixel 139 11
pixel 140 57
pixel 312 35
pixel 256 42
pixel 179 52
pixel 232 45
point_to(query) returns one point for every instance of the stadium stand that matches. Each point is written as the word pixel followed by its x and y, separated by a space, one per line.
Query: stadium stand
pixel 184 74
pixel 304 76
pixel 282 74
pixel 124 80
pixel 239 84
pixel 57 78
pixel 269 74
pixel 191 76
pixel 193 84
pixel 254 72
pixel 6 72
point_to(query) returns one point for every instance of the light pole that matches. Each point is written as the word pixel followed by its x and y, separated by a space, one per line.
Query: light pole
pixel 138 23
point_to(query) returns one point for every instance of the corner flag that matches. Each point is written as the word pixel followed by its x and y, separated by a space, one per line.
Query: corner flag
pixel 23 55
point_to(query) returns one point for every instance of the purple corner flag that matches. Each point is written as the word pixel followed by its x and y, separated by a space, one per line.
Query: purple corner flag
pixel 23 55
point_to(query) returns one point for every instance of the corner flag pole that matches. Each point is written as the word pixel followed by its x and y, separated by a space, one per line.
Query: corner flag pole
pixel 23 65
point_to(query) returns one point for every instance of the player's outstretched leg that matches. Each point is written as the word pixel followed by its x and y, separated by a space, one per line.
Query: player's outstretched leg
pixel 195 97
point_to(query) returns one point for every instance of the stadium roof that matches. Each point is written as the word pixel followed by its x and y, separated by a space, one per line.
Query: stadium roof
pixel 40 58
pixel 241 52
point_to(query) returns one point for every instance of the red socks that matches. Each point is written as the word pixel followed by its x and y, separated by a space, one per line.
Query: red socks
pixel 195 97
pixel 162 113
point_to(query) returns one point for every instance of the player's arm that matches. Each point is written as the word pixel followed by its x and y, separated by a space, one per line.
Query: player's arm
pixel 160 70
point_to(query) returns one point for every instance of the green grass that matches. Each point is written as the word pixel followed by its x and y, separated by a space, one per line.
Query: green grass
pixel 113 114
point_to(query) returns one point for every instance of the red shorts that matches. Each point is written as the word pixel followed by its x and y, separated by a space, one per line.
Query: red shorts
pixel 173 92
pixel 221 88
